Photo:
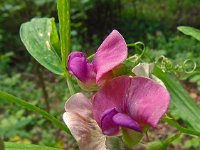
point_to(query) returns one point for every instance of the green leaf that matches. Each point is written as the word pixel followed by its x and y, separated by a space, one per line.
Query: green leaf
pixel 54 39
pixel 131 137
pixel 181 105
pixel 195 33
pixel 23 103
pixel 36 36
pixel 17 146
pixel 156 145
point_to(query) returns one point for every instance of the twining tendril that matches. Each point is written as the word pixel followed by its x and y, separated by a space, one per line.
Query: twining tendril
pixel 138 46
pixel 188 66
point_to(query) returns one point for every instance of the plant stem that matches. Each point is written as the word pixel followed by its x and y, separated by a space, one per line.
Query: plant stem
pixel 173 123
pixel 171 139
pixel 63 7
pixel 23 103
pixel 43 86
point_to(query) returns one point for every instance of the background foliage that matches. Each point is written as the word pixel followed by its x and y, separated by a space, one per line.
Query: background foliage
pixel 153 22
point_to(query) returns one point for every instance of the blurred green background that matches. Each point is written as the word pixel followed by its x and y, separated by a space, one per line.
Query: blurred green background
pixel 153 22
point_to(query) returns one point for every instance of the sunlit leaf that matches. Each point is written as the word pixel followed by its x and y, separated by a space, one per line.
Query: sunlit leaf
pixel 195 33
pixel 17 146
pixel 41 41
pixel 182 106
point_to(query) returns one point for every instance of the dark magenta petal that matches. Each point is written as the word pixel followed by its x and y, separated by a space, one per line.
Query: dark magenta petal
pixel 112 52
pixel 126 121
pixel 107 125
pixel 144 100
pixel 112 95
pixel 79 66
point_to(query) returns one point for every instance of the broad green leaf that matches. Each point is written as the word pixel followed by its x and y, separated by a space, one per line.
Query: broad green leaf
pixel 181 105
pixel 195 33
pixel 23 103
pixel 37 36
pixel 17 146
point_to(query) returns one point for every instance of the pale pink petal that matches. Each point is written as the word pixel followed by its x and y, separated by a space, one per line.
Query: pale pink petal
pixel 144 100
pixel 145 70
pixel 78 118
pixel 112 52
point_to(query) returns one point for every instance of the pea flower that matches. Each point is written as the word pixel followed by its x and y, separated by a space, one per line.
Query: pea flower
pixel 130 103
pixel 112 52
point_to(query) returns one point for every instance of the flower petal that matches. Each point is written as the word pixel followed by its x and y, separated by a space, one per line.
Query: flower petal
pixel 78 117
pixel 112 95
pixel 79 66
pixel 145 70
pixel 148 101
pixel 107 125
pixel 126 121
pixel 112 52
pixel 144 100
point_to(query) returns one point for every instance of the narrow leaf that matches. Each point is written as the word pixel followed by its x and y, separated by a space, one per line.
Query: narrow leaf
pixel 195 33
pixel 36 36
pixel 18 146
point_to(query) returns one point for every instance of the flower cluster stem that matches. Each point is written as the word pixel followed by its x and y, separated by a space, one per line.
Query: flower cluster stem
pixel 63 7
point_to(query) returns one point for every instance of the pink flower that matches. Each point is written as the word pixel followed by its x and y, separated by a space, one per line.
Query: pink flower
pixel 112 52
pixel 130 103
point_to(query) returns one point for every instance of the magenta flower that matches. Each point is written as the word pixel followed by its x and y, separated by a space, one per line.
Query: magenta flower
pixel 112 52
pixel 131 103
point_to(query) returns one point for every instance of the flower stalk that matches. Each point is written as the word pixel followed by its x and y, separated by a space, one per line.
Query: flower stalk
pixel 63 7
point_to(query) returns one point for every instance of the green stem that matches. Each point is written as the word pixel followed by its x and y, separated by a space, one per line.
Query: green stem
pixel 63 7
pixel 171 139
pixel 91 57
pixel 43 113
pixel 70 85
pixel 173 123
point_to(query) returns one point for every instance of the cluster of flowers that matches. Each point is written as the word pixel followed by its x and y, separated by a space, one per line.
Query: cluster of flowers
pixel 122 104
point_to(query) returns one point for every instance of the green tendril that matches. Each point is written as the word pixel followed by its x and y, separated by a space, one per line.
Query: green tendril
pixel 167 66
pixel 186 65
